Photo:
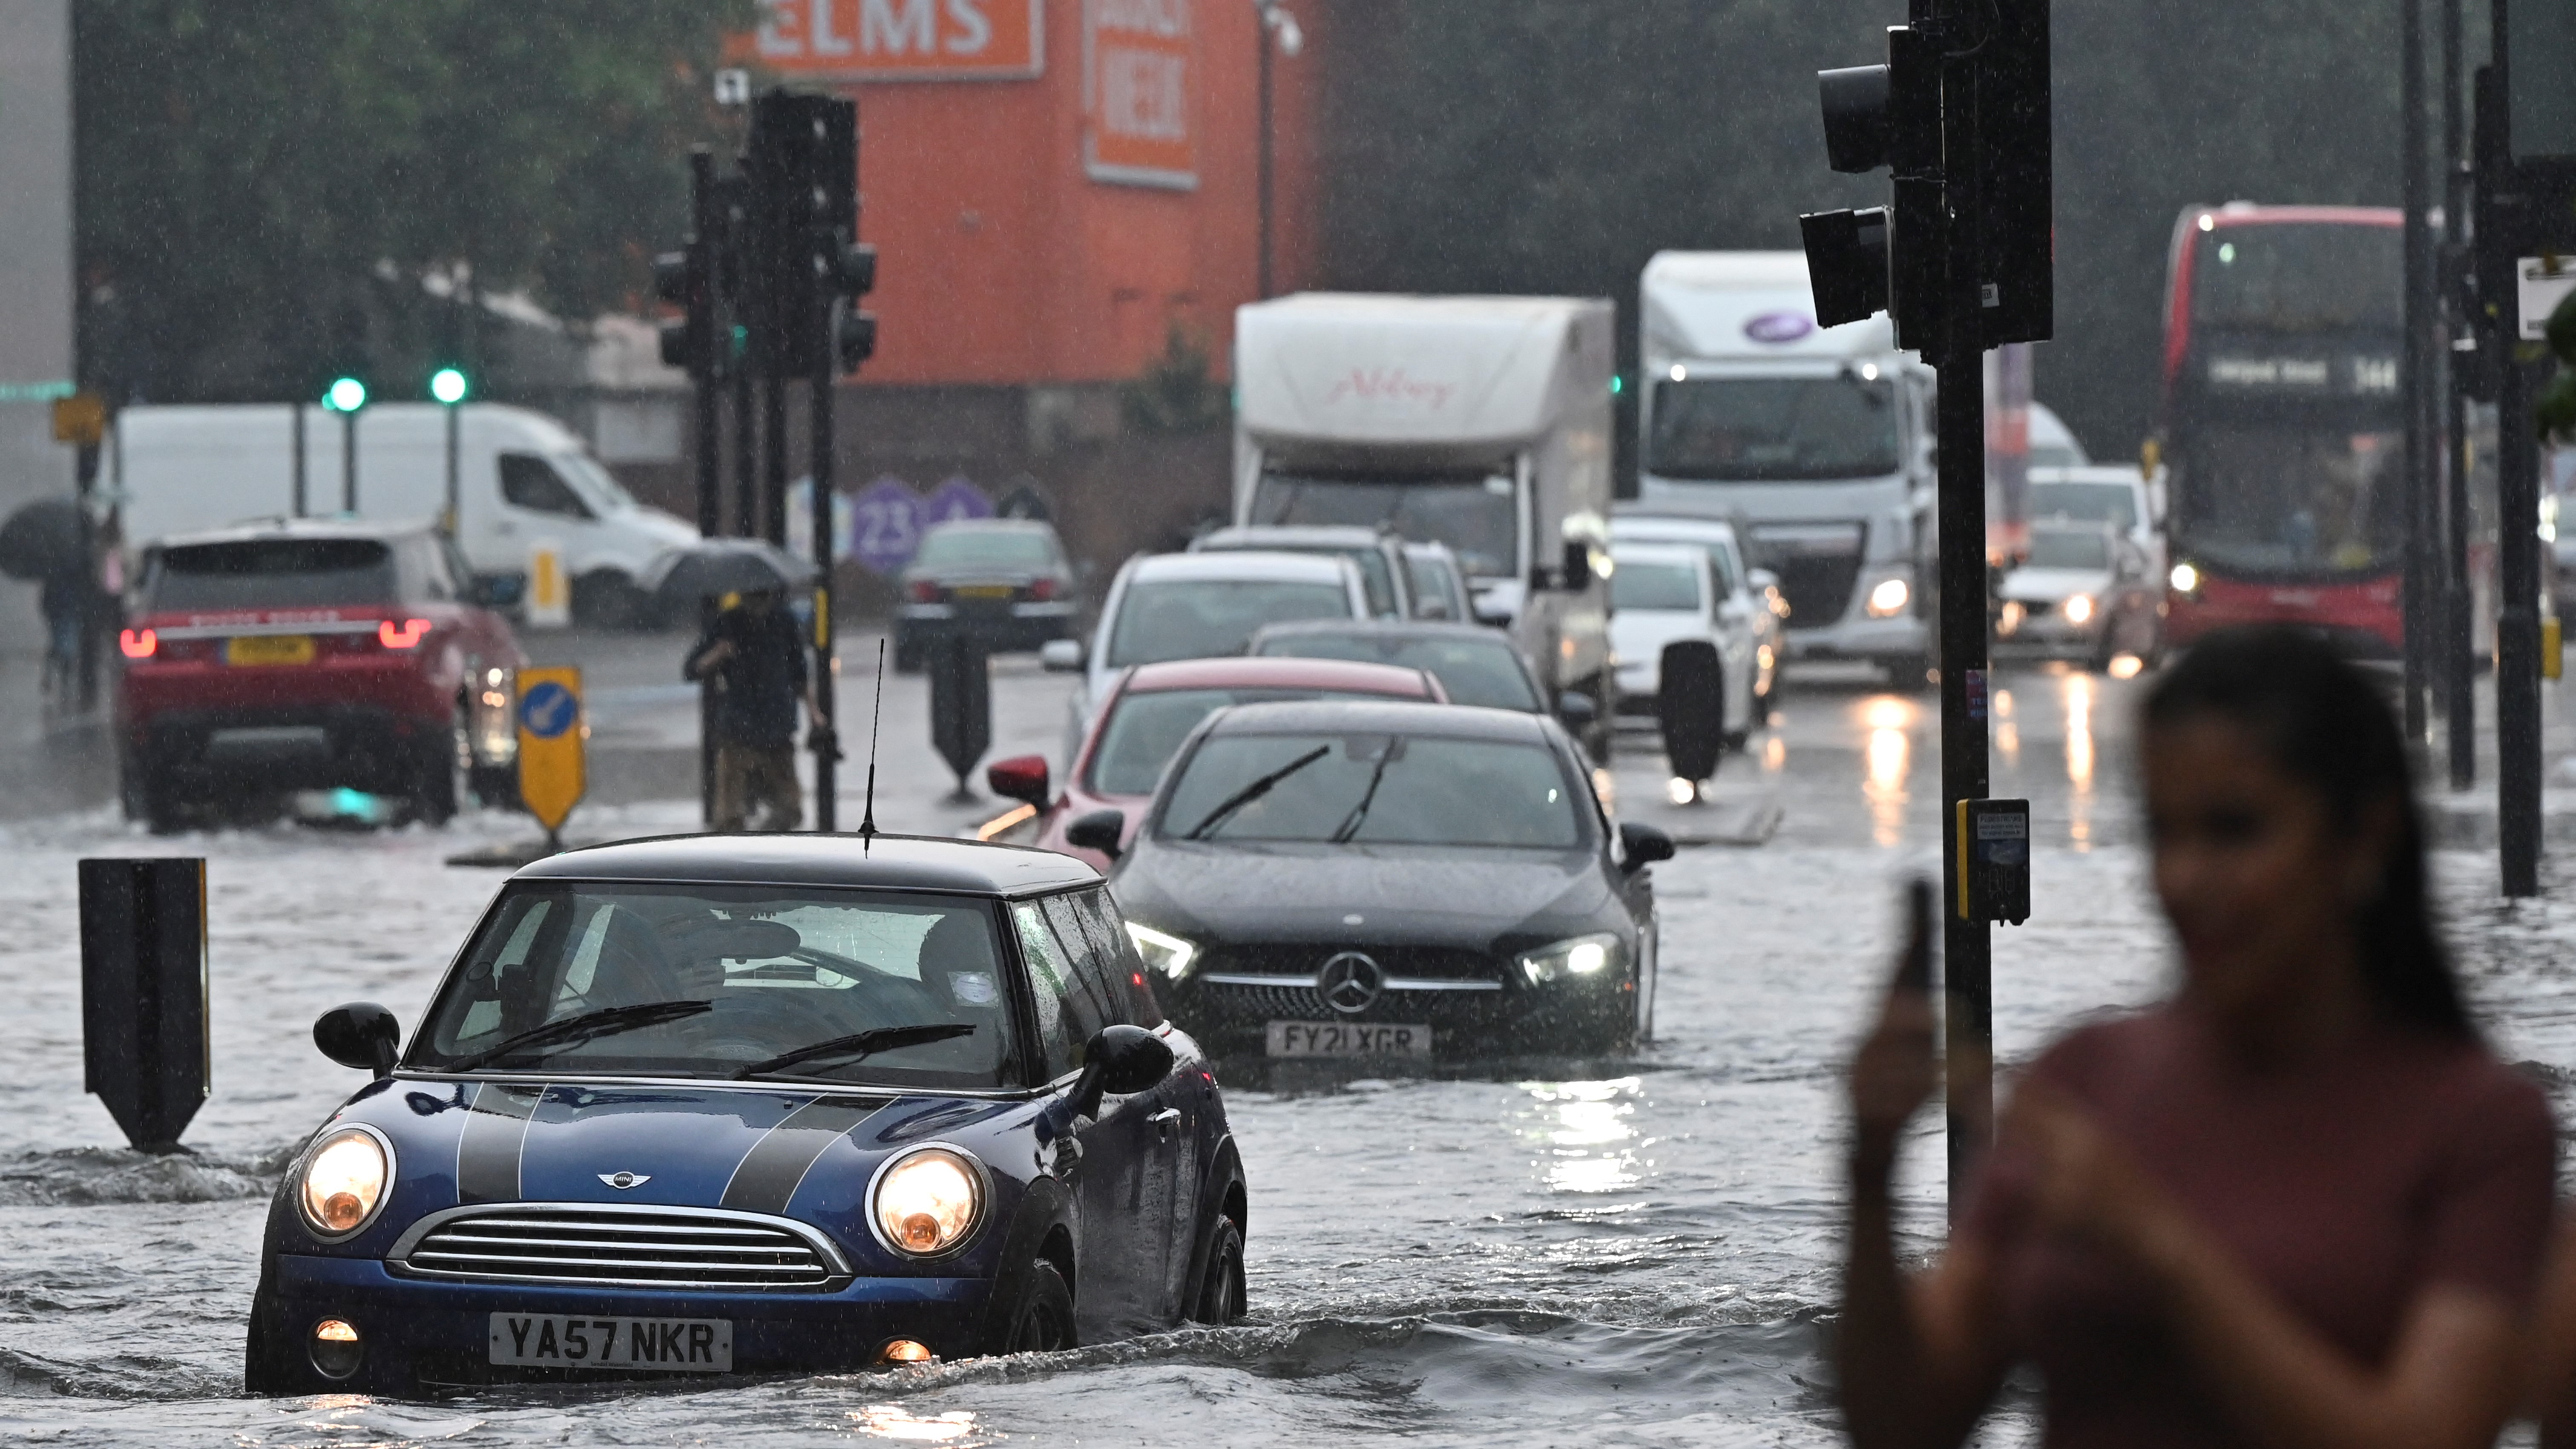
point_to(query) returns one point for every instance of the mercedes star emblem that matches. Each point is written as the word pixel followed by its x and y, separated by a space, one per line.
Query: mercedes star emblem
pixel 1350 983
pixel 624 1180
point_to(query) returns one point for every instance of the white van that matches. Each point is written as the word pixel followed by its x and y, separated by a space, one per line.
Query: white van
pixel 522 479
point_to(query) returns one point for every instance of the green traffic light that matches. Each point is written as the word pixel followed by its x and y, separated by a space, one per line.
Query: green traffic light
pixel 345 396
pixel 447 385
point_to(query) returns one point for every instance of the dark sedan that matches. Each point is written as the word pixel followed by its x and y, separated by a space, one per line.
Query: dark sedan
pixel 1475 664
pixel 1390 881
pixel 1001 583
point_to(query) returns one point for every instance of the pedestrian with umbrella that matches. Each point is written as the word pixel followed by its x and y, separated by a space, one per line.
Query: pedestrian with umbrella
pixel 753 655
pixel 46 543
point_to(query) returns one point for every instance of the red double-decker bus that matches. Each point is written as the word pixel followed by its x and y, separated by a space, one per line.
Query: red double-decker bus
pixel 2282 427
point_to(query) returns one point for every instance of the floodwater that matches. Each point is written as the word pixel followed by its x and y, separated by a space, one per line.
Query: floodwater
pixel 1624 1252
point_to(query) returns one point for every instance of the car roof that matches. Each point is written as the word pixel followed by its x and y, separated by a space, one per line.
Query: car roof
pixel 268 528
pixel 2120 474
pixel 1653 527
pixel 991 525
pixel 889 862
pixel 1235 671
pixel 1303 568
pixel 1386 629
pixel 1448 721
pixel 1251 536
pixel 1688 555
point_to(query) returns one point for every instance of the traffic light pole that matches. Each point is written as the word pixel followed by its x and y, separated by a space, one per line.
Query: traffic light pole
pixel 827 751
pixel 2414 381
pixel 1967 974
pixel 705 342
pixel 2459 668
pixel 2503 218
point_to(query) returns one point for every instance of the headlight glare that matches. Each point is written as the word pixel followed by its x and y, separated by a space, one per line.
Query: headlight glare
pixel 1576 958
pixel 927 1201
pixel 1889 598
pixel 2185 579
pixel 1166 953
pixel 344 1182
pixel 2079 609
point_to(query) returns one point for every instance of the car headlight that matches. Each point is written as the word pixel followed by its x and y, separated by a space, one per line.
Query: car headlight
pixel 344 1182
pixel 2184 578
pixel 1163 952
pixel 1575 958
pixel 2079 609
pixel 927 1201
pixel 1889 598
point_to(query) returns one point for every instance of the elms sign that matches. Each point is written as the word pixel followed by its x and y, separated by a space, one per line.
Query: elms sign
pixel 885 40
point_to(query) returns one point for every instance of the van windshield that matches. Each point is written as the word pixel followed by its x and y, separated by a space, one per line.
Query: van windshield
pixel 1773 429
pixel 1474 514
pixel 273 573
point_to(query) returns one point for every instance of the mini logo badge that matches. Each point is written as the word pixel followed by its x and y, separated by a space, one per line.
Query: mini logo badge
pixel 624 1180
pixel 1779 327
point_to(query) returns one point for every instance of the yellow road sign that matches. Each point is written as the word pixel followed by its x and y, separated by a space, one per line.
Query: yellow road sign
pixel 80 419
pixel 552 734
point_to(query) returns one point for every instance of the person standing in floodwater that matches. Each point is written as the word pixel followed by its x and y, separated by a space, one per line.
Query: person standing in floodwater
pixel 756 655
pixel 2299 1202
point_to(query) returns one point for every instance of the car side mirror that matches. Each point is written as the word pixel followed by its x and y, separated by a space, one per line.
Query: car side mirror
pixel 360 1034
pixel 1578 565
pixel 1120 1059
pixel 1641 846
pixel 1022 777
pixel 497 591
pixel 1101 830
pixel 1061 656
pixel 1577 709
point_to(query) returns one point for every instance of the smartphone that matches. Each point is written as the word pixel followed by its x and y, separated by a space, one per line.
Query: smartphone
pixel 1914 969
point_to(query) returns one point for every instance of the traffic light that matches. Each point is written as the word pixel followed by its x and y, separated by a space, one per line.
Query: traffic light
pixel 448 386
pixel 679 280
pixel 805 188
pixel 345 395
pixel 854 328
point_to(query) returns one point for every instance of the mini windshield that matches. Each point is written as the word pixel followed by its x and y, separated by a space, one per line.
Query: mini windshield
pixel 274 573
pixel 1474 514
pixel 1785 429
pixel 1200 618
pixel 1373 789
pixel 1144 730
pixel 778 970
pixel 2085 502
pixel 2069 551
pixel 1654 587
pixel 1019 550
pixel 1473 671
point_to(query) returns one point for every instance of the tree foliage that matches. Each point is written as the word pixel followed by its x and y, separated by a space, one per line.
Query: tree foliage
pixel 1555 145
pixel 263 186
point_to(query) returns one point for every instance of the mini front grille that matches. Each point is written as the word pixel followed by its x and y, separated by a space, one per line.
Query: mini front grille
pixel 646 1248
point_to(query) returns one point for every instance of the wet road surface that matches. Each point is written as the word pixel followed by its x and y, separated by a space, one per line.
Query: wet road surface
pixel 1628 1251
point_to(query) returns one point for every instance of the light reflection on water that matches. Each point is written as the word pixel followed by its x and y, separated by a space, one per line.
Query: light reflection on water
pixel 894 1421
pixel 1587 1131
pixel 2079 689
pixel 1887 759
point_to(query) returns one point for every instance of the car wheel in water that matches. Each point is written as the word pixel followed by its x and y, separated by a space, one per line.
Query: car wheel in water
pixel 607 599
pixel 1221 1297
pixel 267 1365
pixel 435 795
pixel 1043 1321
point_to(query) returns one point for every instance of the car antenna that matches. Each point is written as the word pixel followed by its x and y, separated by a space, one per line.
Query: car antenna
pixel 876 722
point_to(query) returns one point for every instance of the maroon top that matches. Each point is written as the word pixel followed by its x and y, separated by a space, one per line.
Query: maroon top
pixel 2347 1187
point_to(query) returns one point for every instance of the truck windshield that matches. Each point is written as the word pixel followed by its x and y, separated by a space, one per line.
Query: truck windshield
pixel 1773 429
pixel 1476 515
pixel 274 573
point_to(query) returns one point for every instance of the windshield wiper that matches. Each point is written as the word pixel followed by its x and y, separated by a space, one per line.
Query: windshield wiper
pixel 573 1030
pixel 864 1044
pixel 1350 825
pixel 1252 792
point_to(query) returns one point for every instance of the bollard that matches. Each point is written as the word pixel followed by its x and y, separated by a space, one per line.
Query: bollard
pixel 961 707
pixel 143 994
pixel 1690 705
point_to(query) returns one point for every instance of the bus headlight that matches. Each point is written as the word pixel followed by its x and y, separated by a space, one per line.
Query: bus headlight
pixel 1163 952
pixel 2185 579
pixel 1889 597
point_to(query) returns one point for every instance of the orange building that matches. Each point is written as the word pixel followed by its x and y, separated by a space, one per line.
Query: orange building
pixel 1053 185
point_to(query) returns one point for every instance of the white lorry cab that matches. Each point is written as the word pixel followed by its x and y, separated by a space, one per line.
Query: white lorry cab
pixel 1816 441
pixel 1482 423
pixel 523 479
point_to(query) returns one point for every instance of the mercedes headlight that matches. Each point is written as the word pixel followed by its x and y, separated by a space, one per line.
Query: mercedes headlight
pixel 1889 598
pixel 2079 609
pixel 1575 959
pixel 344 1182
pixel 927 1201
pixel 1163 952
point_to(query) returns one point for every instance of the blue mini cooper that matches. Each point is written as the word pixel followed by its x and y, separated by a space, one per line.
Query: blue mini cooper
pixel 729 1104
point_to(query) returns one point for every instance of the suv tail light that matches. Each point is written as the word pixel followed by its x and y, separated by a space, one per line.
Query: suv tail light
pixel 138 643
pixel 924 592
pixel 405 635
pixel 1042 590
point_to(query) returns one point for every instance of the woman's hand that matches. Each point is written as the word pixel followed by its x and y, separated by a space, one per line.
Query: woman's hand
pixel 2085 1183
pixel 1891 1078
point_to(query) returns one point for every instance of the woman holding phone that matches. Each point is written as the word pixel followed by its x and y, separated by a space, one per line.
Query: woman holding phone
pixel 2298 1203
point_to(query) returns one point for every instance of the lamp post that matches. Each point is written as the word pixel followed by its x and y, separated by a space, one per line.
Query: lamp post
pixel 346 397
pixel 448 387
pixel 1275 21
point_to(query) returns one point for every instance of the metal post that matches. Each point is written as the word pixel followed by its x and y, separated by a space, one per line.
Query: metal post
pixel 298 411
pixel 703 222
pixel 455 495
pixel 2460 682
pixel 2414 376
pixel 1269 164
pixel 826 749
pixel 1967 946
pixel 741 240
pixel 773 462
pixel 2517 624
pixel 349 463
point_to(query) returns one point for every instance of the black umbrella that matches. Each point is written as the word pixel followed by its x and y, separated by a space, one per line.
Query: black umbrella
pixel 716 566
pixel 44 539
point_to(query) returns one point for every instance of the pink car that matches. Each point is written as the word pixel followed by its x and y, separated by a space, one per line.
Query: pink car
pixel 1150 710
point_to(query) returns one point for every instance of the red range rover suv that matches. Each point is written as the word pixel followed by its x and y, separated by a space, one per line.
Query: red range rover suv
pixel 284 656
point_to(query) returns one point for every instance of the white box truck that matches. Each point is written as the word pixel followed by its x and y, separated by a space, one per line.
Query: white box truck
pixel 1816 441
pixel 522 479
pixel 1483 423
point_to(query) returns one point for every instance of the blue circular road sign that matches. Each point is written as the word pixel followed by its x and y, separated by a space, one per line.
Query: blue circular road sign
pixel 549 709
